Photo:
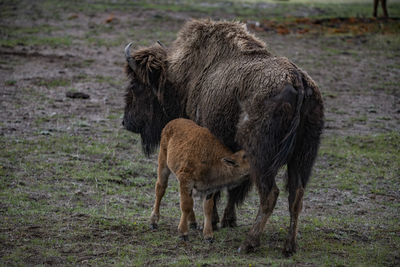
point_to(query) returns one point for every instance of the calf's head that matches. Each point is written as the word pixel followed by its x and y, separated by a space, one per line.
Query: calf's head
pixel 238 164
pixel 144 112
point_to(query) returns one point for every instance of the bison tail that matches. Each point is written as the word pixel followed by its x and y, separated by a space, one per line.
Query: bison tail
pixel 268 130
pixel 287 144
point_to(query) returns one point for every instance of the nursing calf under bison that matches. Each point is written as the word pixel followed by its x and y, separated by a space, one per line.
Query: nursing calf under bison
pixel 199 161
pixel 226 80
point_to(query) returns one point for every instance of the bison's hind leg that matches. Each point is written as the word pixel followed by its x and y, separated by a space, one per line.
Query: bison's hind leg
pixel 269 143
pixel 296 192
pixel 299 170
pixel 268 197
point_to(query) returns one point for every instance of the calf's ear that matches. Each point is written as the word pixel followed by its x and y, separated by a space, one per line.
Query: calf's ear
pixel 229 161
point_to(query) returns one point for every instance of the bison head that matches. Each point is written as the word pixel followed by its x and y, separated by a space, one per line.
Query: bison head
pixel 144 111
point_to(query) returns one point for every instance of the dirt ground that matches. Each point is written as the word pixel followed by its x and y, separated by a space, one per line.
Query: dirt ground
pixel 76 188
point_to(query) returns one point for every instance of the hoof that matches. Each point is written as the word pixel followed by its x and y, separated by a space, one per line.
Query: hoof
pixel 193 226
pixel 214 219
pixel 209 240
pixel 288 253
pixel 249 246
pixel 228 223
pixel 184 238
pixel 289 249
pixel 153 226
pixel 201 227
pixel 244 249
pixel 215 227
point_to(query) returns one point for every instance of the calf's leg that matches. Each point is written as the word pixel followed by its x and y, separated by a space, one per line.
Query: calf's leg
pixel 161 185
pixel 192 216
pixel 208 206
pixel 192 220
pixel 186 208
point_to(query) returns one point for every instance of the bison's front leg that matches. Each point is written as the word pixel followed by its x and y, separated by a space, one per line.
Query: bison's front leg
pixel 267 204
pixel 229 218
pixel 235 196
pixel 215 217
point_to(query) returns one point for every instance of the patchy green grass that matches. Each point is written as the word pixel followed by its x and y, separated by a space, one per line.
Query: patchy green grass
pixel 32 36
pixel 241 9
pixel 257 9
pixel 80 64
pixel 76 199
pixel 109 80
pixel 10 82
pixel 56 82
pixel 36 41
pixel 362 164
pixel 12 30
pixel 101 41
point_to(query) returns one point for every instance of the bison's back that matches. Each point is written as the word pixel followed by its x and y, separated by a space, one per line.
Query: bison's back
pixel 215 100
pixel 220 66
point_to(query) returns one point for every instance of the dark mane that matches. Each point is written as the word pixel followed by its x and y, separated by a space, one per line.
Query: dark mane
pixel 151 101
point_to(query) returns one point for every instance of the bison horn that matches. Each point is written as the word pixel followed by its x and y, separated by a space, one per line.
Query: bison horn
pixel 161 44
pixel 129 59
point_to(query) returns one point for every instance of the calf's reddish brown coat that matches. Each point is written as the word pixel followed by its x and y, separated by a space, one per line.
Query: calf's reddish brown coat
pixel 199 162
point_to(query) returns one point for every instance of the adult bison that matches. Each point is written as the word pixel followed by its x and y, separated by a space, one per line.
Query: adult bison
pixel 225 79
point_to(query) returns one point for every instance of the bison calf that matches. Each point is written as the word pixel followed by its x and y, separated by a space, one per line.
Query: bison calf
pixel 199 162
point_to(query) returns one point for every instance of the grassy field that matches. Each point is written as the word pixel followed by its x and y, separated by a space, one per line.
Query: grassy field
pixel 75 188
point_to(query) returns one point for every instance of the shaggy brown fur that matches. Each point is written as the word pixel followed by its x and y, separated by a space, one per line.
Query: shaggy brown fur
pixel 225 79
pixel 199 161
